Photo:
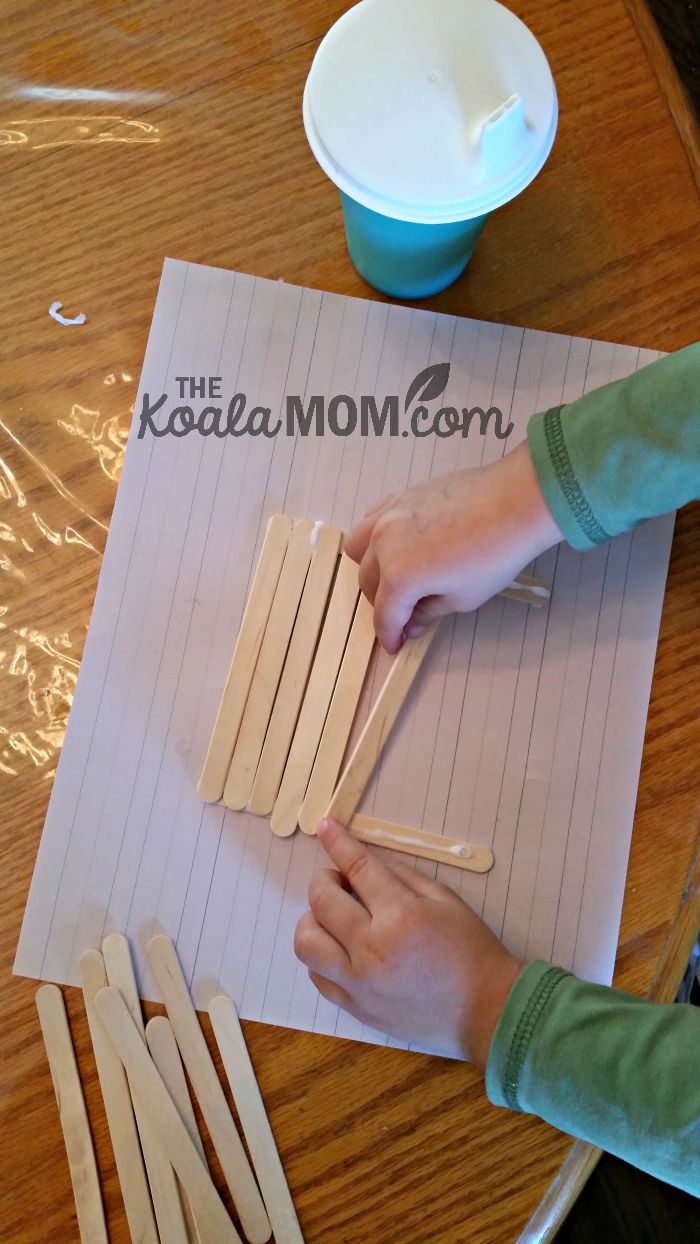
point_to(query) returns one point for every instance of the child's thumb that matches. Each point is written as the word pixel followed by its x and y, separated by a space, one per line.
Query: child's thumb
pixel 392 609
pixel 427 609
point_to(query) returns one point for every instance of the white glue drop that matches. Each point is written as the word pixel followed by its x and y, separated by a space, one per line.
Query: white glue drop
pixel 315 532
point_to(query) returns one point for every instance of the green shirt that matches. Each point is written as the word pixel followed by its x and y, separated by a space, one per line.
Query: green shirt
pixel 619 1071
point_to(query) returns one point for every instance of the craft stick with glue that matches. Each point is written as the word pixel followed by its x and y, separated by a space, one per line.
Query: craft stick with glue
pixel 341 714
pixel 254 1121
pixel 385 710
pixel 268 670
pixel 118 1108
pixel 73 1115
pixel 213 1221
pixel 245 654
pixel 297 664
pixel 418 842
pixel 324 671
pixel 207 1089
pixel 529 590
pixel 161 1177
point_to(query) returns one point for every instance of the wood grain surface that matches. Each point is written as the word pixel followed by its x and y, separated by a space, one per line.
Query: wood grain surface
pixel 187 141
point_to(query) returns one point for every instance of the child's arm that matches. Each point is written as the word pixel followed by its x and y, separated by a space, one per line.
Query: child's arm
pixel 622 453
pixel 589 471
pixel 603 1065
pixel 405 954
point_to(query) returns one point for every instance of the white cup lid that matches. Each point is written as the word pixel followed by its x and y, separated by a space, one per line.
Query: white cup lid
pixel 430 110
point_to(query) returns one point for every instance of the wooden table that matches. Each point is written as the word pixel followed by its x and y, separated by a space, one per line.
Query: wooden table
pixel 184 137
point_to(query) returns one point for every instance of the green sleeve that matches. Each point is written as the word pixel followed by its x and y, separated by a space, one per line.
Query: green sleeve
pixel 605 1066
pixel 622 453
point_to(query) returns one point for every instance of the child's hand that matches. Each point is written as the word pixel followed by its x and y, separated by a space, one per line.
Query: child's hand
pixel 449 545
pixel 402 952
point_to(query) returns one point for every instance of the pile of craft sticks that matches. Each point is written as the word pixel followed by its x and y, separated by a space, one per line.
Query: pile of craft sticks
pixel 293 688
pixel 168 1192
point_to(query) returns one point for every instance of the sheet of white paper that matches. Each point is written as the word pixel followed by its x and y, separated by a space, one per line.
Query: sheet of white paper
pixel 524 730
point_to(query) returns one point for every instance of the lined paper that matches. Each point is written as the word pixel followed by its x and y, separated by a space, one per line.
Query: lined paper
pixel 523 731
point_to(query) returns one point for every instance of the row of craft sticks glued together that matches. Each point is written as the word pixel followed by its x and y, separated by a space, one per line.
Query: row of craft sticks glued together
pixel 168 1193
pixel 292 691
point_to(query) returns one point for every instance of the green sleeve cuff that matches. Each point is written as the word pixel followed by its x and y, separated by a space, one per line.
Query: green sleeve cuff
pixel 616 1070
pixel 566 500
pixel 515 1028
pixel 622 453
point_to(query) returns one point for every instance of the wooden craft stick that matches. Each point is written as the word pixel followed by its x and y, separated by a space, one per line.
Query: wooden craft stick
pixel 384 712
pixel 263 688
pixel 529 590
pixel 118 1108
pixel 161 1177
pixel 418 842
pixel 296 670
pixel 254 1121
pixel 73 1115
pixel 341 713
pixel 214 1222
pixel 324 671
pixel 208 1090
pixel 160 1039
pixel 245 655
pixel 161 1042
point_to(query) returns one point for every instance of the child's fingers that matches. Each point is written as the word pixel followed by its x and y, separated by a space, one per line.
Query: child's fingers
pixel 418 883
pixel 374 883
pixel 427 609
pixel 319 951
pixel 413 631
pixel 357 539
pixel 337 911
pixel 368 575
pixel 393 607
pixel 331 991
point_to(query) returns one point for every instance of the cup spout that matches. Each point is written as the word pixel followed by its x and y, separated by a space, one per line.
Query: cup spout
pixel 503 137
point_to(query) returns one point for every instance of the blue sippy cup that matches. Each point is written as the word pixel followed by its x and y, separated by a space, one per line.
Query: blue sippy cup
pixel 427 115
